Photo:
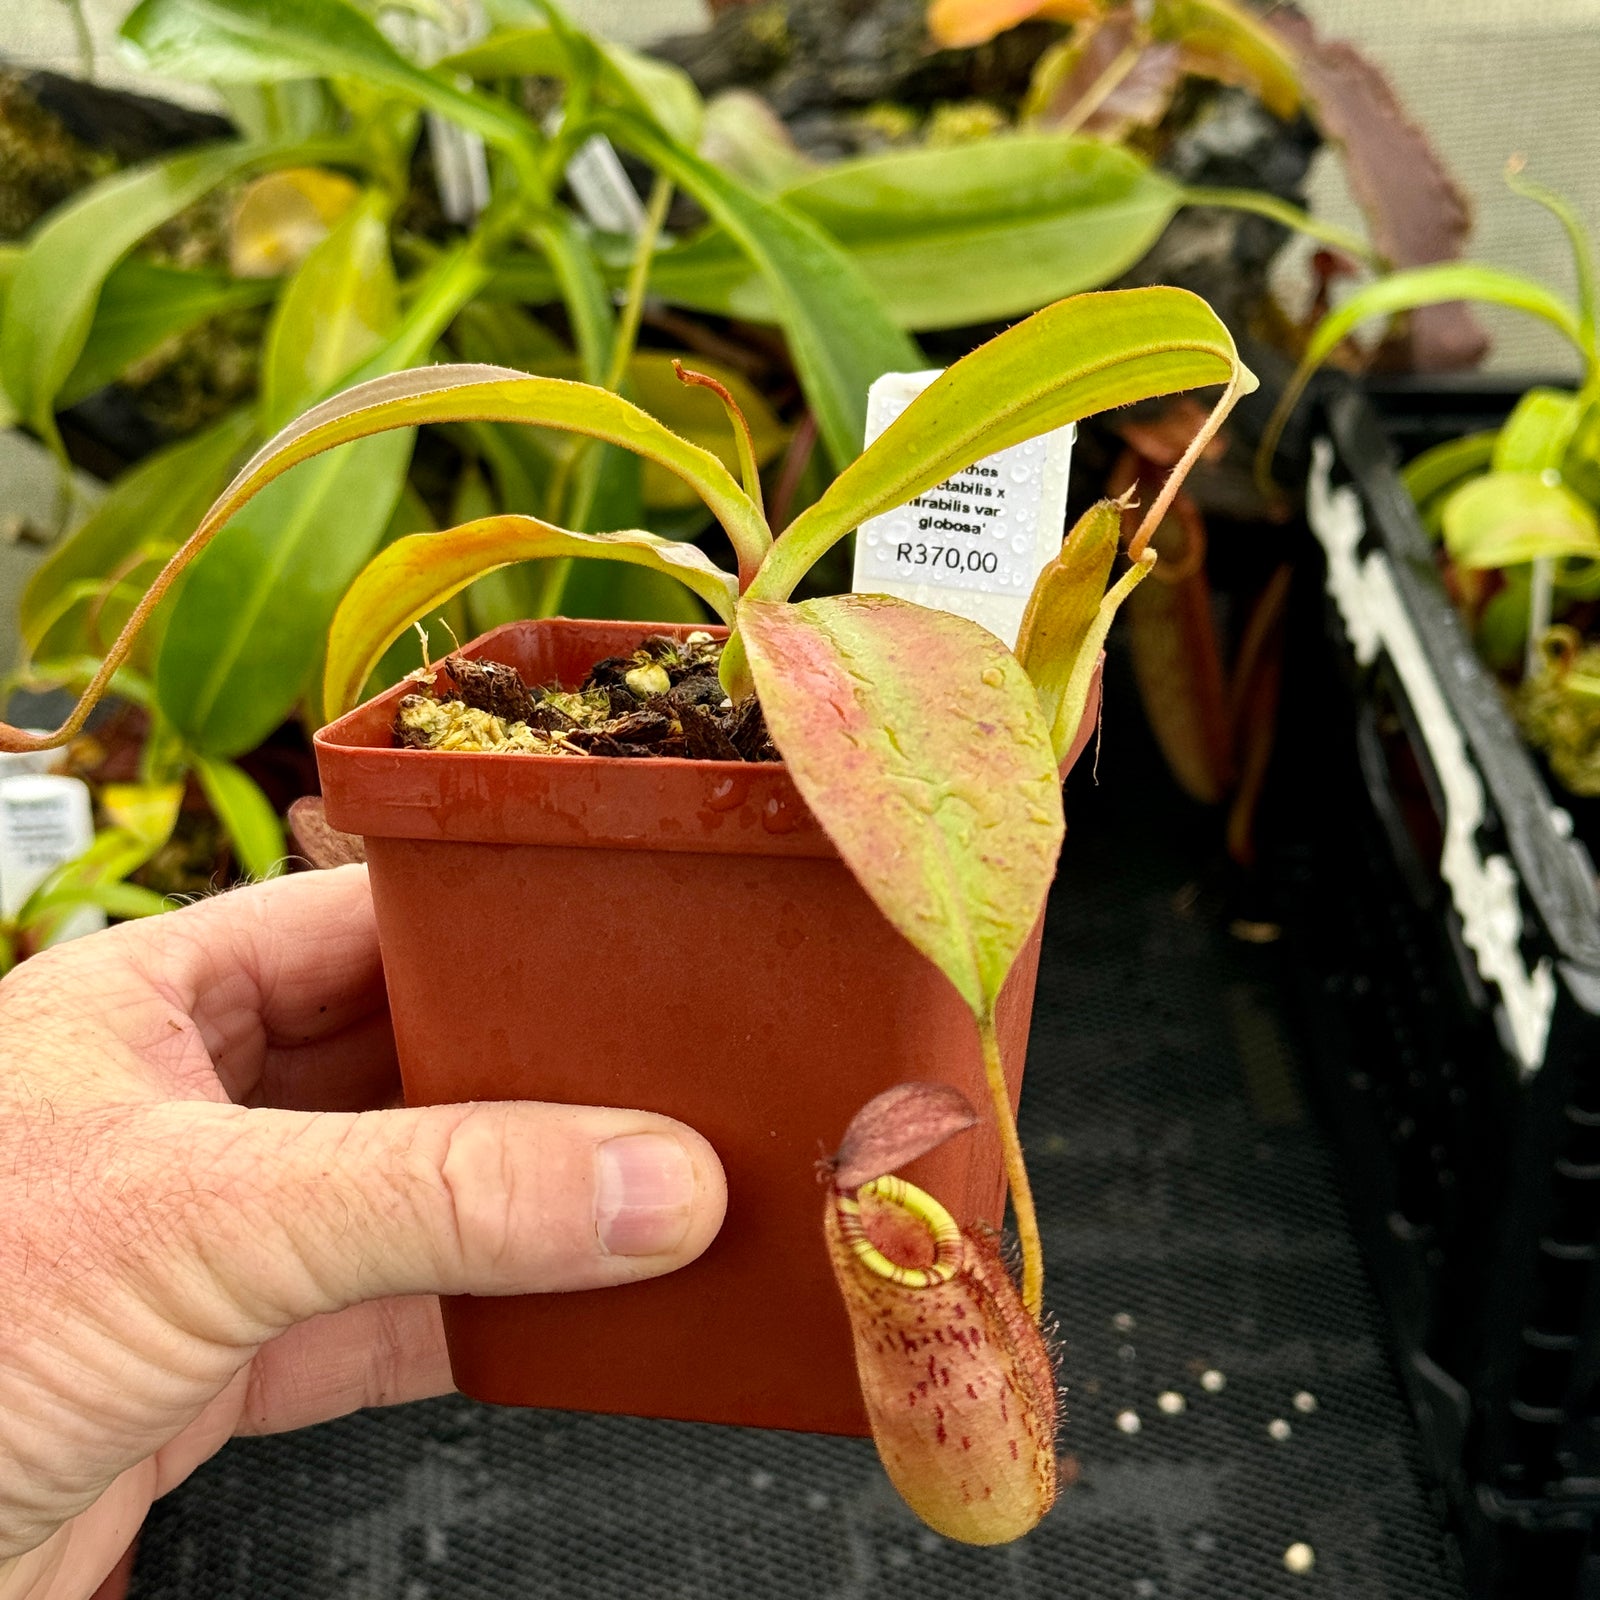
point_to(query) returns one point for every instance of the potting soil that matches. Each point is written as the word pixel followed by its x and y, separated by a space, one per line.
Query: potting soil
pixel 663 700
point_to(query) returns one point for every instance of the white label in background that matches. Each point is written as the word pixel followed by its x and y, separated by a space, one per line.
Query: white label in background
pixel 977 542
pixel 603 189
pixel 44 822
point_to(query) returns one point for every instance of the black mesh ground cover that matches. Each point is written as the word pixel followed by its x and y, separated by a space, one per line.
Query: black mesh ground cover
pixel 1191 1224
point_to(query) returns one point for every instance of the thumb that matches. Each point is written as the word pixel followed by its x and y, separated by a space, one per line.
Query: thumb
pixel 294 1214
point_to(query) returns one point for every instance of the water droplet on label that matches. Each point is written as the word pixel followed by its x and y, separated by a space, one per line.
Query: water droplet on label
pixel 872 536
pixel 1020 474
pixel 1020 545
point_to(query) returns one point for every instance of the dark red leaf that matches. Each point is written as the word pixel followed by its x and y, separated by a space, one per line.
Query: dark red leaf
pixel 896 1127
pixel 320 844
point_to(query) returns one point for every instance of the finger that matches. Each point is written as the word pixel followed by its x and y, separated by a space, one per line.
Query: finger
pixel 273 967
pixel 201 1003
pixel 293 1215
pixel 382 1353
pixel 355 1070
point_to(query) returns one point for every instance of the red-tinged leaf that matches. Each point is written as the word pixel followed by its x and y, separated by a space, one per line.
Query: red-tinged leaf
pixel 916 739
pixel 891 1130
pixel 958 1384
pixel 1069 85
pixel 446 393
pixel 1416 212
pixel 410 577
pixel 322 844
pixel 1172 639
pixel 1089 727
pixel 1069 614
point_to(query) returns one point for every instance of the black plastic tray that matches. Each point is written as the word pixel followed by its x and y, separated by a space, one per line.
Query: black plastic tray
pixel 1447 929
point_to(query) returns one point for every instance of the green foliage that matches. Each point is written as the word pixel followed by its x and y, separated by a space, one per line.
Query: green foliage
pixel 849 260
pixel 51 299
pixel 1517 509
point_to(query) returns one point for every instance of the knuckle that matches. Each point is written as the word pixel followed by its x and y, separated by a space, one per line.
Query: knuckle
pixel 480 1186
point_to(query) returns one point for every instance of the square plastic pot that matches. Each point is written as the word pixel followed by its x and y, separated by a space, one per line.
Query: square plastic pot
pixel 675 936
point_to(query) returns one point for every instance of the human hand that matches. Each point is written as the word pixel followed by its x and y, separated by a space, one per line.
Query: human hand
pixel 204 1232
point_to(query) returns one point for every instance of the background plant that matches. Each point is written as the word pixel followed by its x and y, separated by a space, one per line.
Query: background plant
pixel 1516 509
pixel 333 234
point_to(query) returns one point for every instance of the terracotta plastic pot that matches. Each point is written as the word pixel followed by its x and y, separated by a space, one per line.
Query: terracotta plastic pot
pixel 677 936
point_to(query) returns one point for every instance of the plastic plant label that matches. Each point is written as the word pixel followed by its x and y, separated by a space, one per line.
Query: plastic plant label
pixel 976 543
pixel 45 821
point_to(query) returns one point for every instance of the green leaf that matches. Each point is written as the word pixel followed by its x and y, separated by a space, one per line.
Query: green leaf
pixel 1577 238
pixel 113 854
pixel 583 291
pixel 1505 518
pixel 663 93
pixel 243 639
pixel 1409 291
pixel 1538 431
pixel 1087 354
pixel 264 41
pixel 125 900
pixel 840 336
pixel 990 230
pixel 151 507
pixel 144 304
pixel 51 303
pixel 694 413
pixel 247 815
pixel 946 237
pixel 1444 467
pixel 410 577
pixel 613 592
pixel 1069 614
pixel 916 739
pixel 243 642
pixel 339 308
pixel 459 393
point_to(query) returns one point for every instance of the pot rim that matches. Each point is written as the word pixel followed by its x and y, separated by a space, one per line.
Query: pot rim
pixel 373 788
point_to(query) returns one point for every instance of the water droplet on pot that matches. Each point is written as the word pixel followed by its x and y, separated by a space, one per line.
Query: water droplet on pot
pixel 780 815
pixel 728 794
